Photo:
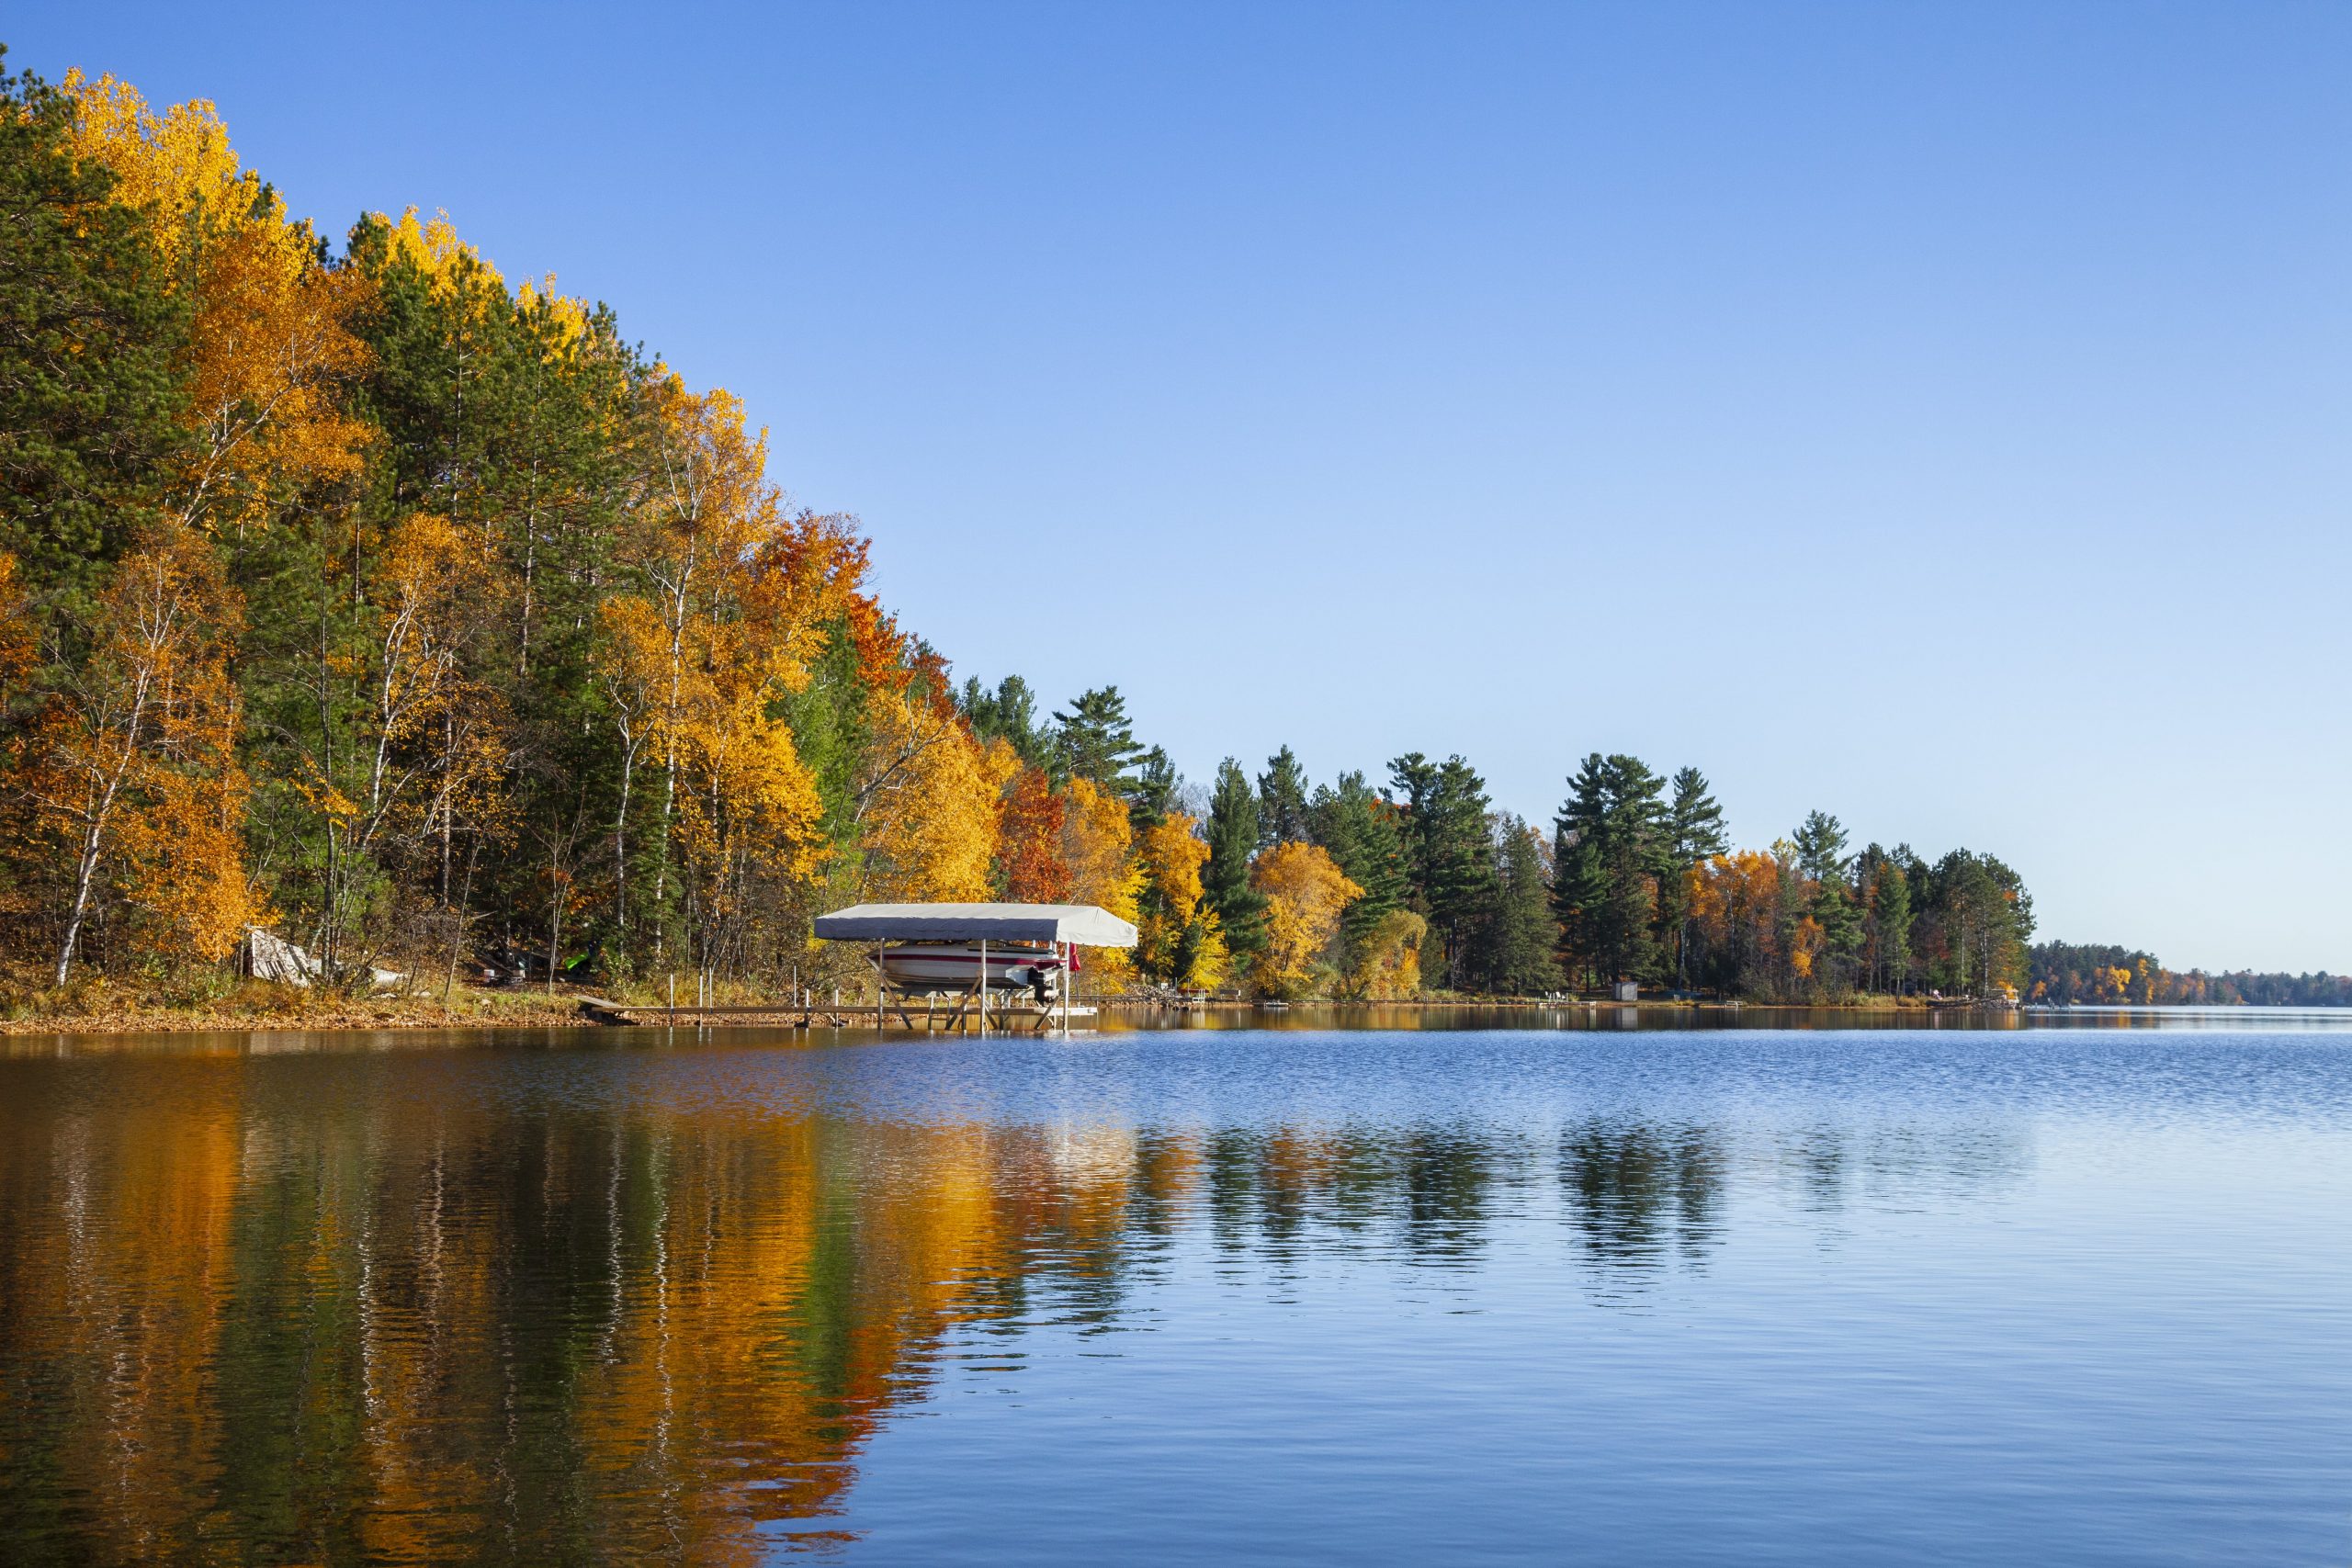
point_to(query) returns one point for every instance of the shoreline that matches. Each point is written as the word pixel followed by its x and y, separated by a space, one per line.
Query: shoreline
pixel 567 1008
pixel 467 1010
pixel 282 1009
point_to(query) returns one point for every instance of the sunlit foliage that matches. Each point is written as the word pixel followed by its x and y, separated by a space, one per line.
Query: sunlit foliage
pixel 1304 895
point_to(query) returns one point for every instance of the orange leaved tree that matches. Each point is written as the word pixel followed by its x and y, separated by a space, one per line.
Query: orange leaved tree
pixel 1029 838
pixel 133 773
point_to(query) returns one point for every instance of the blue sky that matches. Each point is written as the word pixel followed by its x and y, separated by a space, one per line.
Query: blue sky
pixel 1937 415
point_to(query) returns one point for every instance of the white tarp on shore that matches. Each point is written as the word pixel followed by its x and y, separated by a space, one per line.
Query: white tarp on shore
pixel 269 957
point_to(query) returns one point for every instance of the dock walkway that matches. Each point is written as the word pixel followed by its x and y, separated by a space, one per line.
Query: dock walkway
pixel 929 1018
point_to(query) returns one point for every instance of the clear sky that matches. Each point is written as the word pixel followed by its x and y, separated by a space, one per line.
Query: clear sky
pixel 1934 414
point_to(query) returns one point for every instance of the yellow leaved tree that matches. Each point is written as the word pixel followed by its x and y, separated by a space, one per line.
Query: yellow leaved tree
pixel 1306 893
pixel 722 601
pixel 133 773
pixel 1180 942
pixel 929 809
pixel 268 343
pixel 1387 966
pixel 1096 843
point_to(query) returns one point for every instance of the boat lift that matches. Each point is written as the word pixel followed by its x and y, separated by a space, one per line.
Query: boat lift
pixel 963 933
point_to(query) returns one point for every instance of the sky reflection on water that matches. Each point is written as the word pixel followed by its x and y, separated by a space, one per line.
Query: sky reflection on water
pixel 2071 1295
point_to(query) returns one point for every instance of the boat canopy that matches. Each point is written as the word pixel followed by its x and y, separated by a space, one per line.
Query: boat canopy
pixel 1087 924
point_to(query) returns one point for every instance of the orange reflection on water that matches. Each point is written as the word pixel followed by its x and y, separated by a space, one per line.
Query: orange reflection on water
pixel 252 1312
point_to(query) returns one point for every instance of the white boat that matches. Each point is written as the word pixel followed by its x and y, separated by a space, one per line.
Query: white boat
pixel 952 967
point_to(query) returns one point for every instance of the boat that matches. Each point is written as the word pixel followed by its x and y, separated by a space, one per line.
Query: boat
pixel 920 966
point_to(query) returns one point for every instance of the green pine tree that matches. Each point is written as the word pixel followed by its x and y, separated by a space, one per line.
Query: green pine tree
pixel 1232 834
pixel 91 401
pixel 1525 935
pixel 1694 834
pixel 1358 831
pixel 1008 714
pixel 1282 801
pixel 1609 854
pixel 1095 740
pixel 1449 859
pixel 1885 890
pixel 1820 842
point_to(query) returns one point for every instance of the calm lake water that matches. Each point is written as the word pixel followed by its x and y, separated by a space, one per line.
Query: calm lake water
pixel 1456 1294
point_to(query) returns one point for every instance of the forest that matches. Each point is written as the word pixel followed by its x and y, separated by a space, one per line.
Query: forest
pixel 409 612
pixel 2092 975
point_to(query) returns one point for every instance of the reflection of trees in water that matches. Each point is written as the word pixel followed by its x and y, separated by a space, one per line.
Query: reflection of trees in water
pixel 1636 1190
pixel 425 1330
pixel 1417 1193
pixel 327 1309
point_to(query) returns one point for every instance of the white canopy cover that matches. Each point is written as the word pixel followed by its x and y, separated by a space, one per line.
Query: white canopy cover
pixel 1089 925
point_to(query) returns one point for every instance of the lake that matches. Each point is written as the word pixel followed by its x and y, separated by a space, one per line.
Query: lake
pixel 1474 1291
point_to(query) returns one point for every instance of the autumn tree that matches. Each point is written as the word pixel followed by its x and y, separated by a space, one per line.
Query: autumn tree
pixel 268 345
pixel 1384 964
pixel 1305 894
pixel 930 824
pixel 1029 838
pixel 1740 939
pixel 1180 941
pixel 134 776
pixel 1096 847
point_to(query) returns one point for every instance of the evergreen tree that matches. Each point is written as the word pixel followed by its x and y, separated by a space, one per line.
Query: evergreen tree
pixel 91 401
pixel 1008 714
pixel 1820 844
pixel 1096 741
pixel 1884 893
pixel 1525 936
pixel 1152 790
pixel 1232 834
pixel 1449 859
pixel 1978 919
pixel 1694 835
pixel 1282 801
pixel 1358 831
pixel 1610 852
pixel 1694 822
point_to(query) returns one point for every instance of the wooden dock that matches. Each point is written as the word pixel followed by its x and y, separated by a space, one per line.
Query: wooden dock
pixel 920 1017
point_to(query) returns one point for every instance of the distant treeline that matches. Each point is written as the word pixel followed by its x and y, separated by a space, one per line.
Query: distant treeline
pixel 1351 891
pixel 2092 975
pixel 421 617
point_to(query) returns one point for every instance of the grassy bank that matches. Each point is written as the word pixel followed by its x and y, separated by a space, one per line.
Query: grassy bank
pixel 100 1007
